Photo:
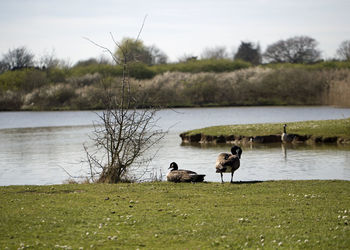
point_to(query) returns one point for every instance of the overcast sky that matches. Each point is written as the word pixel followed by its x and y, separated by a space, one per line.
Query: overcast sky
pixel 176 27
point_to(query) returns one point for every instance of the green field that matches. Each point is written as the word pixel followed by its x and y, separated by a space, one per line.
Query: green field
pixel 156 215
pixel 325 128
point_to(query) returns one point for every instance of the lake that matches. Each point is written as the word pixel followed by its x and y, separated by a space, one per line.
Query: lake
pixel 38 147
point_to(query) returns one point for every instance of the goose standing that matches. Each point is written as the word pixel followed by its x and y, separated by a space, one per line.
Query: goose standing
pixel 228 163
pixel 285 137
pixel 182 175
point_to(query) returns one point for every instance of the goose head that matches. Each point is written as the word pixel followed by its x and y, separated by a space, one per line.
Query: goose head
pixel 285 128
pixel 173 166
pixel 235 150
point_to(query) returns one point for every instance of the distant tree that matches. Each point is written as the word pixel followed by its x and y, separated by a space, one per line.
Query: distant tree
pixel 157 56
pixel 102 59
pixel 3 67
pixel 218 52
pixel 49 61
pixel 248 52
pixel 18 58
pixel 133 50
pixel 90 61
pixel 298 49
pixel 187 58
pixel 344 50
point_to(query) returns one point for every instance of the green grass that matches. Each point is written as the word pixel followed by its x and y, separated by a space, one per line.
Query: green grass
pixel 326 128
pixel 279 214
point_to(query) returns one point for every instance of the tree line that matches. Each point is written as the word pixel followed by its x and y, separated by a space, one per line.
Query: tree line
pixel 297 49
pixel 50 83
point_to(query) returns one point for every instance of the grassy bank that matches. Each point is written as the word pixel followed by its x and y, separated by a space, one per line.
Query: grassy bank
pixel 325 128
pixel 281 214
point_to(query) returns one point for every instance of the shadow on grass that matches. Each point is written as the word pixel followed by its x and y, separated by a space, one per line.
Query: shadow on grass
pixel 247 182
pixel 238 182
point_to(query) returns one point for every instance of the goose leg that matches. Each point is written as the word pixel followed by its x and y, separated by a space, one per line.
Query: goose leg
pixel 231 177
pixel 222 180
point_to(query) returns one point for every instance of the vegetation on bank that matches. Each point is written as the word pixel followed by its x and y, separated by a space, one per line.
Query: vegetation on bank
pixel 295 74
pixel 155 215
pixel 187 84
pixel 324 128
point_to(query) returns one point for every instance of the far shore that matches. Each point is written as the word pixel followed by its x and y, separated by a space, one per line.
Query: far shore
pixel 325 131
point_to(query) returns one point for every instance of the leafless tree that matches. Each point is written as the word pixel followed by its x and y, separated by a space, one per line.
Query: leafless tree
pixel 157 55
pixel 123 133
pixel 49 60
pixel 18 58
pixel 187 58
pixel 218 52
pixel 344 50
pixel 298 49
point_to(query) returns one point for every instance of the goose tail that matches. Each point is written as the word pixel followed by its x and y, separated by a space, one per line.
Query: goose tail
pixel 197 178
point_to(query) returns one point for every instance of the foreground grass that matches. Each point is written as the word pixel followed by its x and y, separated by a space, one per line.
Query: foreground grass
pixel 281 214
pixel 325 128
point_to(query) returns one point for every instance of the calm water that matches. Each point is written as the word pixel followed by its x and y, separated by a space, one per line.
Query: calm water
pixel 35 146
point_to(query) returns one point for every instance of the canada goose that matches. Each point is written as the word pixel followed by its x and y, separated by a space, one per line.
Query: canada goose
pixel 228 163
pixel 182 175
pixel 286 137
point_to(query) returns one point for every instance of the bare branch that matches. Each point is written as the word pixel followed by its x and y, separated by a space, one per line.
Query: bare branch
pixel 125 133
pixel 143 24
pixel 105 49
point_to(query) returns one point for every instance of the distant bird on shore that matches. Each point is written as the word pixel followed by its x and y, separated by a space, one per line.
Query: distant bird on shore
pixel 182 175
pixel 228 163
pixel 285 137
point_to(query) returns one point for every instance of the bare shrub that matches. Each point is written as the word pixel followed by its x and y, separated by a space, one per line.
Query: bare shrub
pixel 123 133
pixel 87 79
pixel 58 95
pixel 10 100
pixel 252 86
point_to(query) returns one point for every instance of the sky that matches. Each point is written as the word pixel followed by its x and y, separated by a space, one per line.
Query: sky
pixel 176 27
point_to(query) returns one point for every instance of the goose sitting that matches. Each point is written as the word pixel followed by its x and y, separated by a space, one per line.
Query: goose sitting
pixel 228 163
pixel 286 137
pixel 182 175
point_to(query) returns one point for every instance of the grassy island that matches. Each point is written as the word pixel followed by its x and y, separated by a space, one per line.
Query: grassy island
pixel 159 215
pixel 315 131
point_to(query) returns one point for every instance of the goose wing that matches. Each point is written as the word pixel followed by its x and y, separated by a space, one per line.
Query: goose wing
pixel 187 171
pixel 183 175
pixel 226 162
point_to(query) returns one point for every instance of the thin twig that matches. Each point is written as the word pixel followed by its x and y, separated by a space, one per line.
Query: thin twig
pixel 143 24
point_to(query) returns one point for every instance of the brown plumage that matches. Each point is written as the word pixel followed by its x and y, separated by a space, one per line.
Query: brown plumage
pixel 182 175
pixel 228 163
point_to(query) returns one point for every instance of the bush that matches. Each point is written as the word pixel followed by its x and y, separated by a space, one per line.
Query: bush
pixel 10 100
pixel 56 75
pixel 84 80
pixel 103 69
pixel 253 86
pixel 141 71
pixel 205 65
pixel 51 97
pixel 22 80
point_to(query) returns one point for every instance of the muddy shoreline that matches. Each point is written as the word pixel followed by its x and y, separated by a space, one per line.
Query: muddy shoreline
pixel 239 139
